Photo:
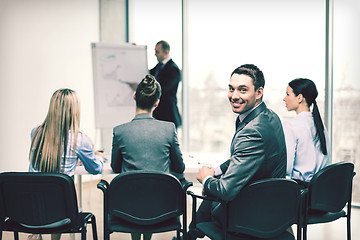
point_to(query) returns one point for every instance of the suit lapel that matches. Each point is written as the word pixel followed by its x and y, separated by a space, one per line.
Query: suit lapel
pixel 252 115
pixel 248 119
pixel 164 67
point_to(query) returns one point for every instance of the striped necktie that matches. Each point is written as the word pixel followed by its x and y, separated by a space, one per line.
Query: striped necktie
pixel 237 123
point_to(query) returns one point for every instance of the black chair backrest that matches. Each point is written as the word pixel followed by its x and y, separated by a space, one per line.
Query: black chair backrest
pixel 34 199
pixel 265 208
pixel 145 197
pixel 330 188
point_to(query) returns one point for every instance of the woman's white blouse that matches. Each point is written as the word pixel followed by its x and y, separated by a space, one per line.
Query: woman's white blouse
pixel 304 155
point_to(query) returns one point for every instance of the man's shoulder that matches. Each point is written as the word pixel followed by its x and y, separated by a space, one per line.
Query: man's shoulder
pixel 121 127
pixel 172 65
pixel 164 124
pixel 146 121
pixel 266 120
pixel 270 115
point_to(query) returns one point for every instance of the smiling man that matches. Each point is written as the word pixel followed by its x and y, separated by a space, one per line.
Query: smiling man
pixel 257 150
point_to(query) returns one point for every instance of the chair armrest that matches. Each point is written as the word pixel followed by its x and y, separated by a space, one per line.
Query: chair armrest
pixel 103 185
pixel 209 198
pixel 304 191
pixel 212 199
pixel 185 184
pixel 304 196
pixel 86 217
pixel 304 207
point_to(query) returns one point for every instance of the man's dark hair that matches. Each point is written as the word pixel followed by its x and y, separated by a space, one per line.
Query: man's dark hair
pixel 164 45
pixel 252 71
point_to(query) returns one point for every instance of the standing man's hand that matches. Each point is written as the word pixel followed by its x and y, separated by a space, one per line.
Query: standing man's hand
pixel 204 172
pixel 132 85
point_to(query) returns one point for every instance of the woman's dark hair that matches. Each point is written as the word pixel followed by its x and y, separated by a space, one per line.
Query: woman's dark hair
pixel 147 92
pixel 307 88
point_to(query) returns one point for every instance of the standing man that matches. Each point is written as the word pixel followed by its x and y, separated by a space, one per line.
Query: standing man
pixel 167 73
pixel 258 149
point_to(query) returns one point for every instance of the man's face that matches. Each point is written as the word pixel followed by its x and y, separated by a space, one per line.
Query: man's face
pixel 242 94
pixel 159 53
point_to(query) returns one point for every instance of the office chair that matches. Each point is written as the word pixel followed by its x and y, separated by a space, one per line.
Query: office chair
pixel 144 202
pixel 41 203
pixel 264 209
pixel 329 191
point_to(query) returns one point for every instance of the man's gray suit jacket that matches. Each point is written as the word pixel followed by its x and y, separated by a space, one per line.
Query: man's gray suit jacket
pixel 258 151
pixel 146 144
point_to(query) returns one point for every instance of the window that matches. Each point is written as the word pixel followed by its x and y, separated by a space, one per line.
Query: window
pixel 155 20
pixel 346 95
pixel 275 35
pixel 285 39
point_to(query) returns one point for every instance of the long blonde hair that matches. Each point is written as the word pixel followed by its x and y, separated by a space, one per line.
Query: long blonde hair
pixel 51 138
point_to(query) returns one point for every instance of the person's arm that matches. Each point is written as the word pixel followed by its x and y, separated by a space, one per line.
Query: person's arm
pixel 93 163
pixel 290 139
pixel 176 161
pixel 224 166
pixel 245 161
pixel 31 168
pixel 116 156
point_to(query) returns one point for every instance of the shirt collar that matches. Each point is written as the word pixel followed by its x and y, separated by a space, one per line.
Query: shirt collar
pixel 165 60
pixel 142 116
pixel 242 116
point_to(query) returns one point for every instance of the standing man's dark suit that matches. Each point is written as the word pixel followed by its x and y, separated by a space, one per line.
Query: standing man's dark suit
pixel 169 78
pixel 167 73
pixel 146 143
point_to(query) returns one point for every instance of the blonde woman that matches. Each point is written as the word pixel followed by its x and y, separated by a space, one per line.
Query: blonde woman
pixel 57 144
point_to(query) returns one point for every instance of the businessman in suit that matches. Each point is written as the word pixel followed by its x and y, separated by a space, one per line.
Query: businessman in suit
pixel 258 149
pixel 168 75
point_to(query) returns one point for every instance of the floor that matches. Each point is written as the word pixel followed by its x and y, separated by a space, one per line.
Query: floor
pixel 92 202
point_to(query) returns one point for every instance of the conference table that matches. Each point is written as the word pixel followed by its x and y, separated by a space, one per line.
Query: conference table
pixel 192 160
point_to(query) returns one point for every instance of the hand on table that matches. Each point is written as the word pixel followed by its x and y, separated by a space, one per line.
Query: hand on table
pixel 203 172
pixel 100 153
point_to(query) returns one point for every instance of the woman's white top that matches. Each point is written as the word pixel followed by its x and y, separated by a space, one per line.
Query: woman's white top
pixel 304 155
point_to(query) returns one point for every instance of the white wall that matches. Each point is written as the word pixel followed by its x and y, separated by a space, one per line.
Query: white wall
pixel 44 45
